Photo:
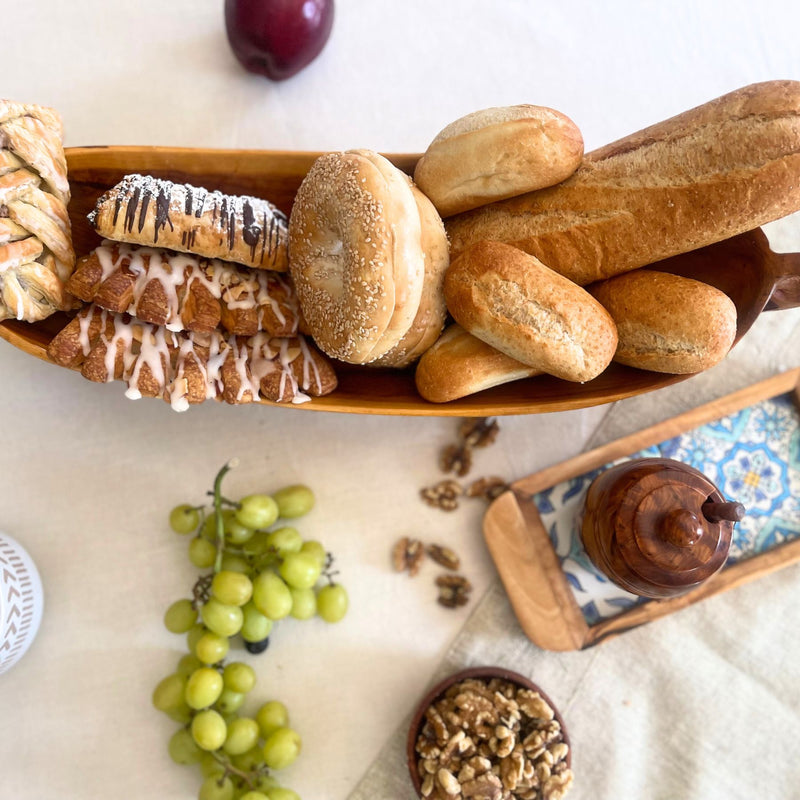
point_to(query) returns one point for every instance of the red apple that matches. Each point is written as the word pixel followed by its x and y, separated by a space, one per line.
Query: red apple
pixel 277 38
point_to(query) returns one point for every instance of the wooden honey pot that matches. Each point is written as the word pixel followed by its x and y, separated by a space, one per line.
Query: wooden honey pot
pixel 657 527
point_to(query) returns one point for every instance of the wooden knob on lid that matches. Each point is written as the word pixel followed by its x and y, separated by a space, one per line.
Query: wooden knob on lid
pixel 657 527
pixel 680 527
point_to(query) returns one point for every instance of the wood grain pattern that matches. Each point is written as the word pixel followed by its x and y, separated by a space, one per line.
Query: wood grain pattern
pixel 529 568
pixel 532 575
pixel 643 527
pixel 276 176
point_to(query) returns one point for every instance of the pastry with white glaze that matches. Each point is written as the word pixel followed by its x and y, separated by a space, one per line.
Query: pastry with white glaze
pixel 36 255
pixel 185 368
pixel 185 292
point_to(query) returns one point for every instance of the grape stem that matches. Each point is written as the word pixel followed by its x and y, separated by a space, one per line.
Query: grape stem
pixel 200 591
pixel 328 571
pixel 218 512
pixel 247 777
pixel 227 501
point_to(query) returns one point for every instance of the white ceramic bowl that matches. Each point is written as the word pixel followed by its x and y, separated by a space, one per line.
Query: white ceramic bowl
pixel 21 601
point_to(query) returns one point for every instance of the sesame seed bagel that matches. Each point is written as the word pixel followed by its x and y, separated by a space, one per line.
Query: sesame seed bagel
pixel 355 254
pixel 429 321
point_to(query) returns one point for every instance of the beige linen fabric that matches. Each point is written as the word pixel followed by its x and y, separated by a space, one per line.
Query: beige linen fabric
pixel 702 704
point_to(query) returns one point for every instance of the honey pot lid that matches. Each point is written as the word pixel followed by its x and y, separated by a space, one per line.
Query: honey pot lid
pixel 671 528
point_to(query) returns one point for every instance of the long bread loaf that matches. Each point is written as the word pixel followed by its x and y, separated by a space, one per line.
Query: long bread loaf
pixel 710 173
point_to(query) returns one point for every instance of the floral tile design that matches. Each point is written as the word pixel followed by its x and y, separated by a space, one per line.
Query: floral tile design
pixel 753 456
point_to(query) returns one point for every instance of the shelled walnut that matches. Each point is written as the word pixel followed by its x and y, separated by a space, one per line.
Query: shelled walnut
pixel 407 554
pixel 443 556
pixel 472 433
pixel 443 495
pixel 487 488
pixel 492 740
pixel 454 590
pixel 457 459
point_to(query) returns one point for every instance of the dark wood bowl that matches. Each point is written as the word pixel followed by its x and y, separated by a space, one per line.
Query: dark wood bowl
pixel 481 673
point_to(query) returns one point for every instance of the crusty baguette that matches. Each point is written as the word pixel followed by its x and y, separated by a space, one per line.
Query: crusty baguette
pixel 667 323
pixel 497 153
pixel 513 302
pixel 718 170
pixel 458 365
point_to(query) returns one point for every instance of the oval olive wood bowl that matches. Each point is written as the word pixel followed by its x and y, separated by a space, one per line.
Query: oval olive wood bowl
pixel 743 267
pixel 481 673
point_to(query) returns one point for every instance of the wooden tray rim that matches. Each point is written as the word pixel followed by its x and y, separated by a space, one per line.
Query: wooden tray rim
pixel 543 600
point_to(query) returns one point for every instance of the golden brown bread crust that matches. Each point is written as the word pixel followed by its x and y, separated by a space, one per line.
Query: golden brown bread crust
pixel 513 302
pixel 497 153
pixel 712 172
pixel 458 365
pixel 150 211
pixel 667 323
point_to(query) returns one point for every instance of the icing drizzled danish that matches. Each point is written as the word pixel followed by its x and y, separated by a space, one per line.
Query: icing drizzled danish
pixel 185 292
pixel 185 368
pixel 36 255
pixel 152 211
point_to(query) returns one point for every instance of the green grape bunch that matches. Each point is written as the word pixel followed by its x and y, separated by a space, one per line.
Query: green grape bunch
pixel 262 571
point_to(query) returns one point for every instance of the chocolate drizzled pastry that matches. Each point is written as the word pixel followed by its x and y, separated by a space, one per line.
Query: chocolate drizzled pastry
pixel 141 209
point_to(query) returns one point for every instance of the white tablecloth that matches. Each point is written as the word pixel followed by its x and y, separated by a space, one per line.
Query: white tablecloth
pixel 88 477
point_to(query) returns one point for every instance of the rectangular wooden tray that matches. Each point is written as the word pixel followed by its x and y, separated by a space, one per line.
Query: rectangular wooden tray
pixel 532 572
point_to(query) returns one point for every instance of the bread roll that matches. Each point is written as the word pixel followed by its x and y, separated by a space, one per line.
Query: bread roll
pixel 458 365
pixel 513 302
pixel 497 153
pixel 718 170
pixel 667 323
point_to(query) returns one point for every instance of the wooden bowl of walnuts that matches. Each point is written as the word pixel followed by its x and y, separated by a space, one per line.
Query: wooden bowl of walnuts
pixel 488 733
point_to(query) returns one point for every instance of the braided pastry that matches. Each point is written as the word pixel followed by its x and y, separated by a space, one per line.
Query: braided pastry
pixel 185 292
pixel 36 255
pixel 156 212
pixel 188 368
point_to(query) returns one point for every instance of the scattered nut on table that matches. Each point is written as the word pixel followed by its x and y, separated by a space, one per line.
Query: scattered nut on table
pixel 407 555
pixel 443 495
pixel 480 432
pixel 444 556
pixel 454 590
pixel 457 458
pixel 487 488
pixel 492 740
